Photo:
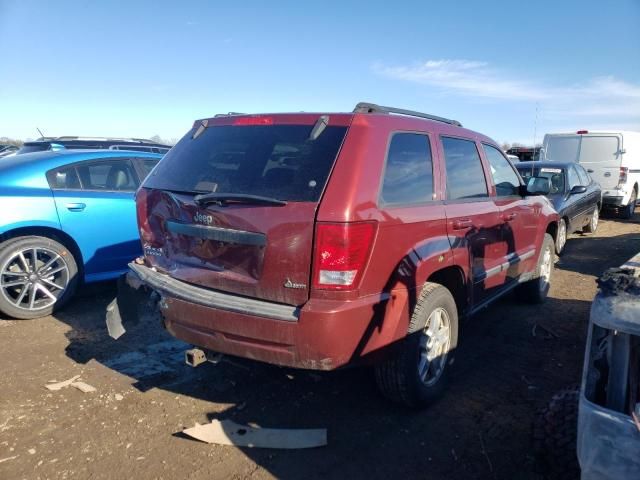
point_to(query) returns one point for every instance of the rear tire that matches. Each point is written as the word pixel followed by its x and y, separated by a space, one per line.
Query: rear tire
pixel 537 289
pixel 416 374
pixel 628 211
pixel 592 226
pixel 555 436
pixel 37 276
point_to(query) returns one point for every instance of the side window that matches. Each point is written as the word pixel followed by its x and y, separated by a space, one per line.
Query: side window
pixel 465 177
pixel 573 178
pixel 504 177
pixel 64 178
pixel 146 165
pixel 585 179
pixel 109 175
pixel 408 174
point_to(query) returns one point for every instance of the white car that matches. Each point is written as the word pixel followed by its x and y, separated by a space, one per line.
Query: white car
pixel 612 158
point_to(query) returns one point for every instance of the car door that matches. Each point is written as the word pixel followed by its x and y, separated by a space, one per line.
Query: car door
pixel 473 219
pixel 95 205
pixel 575 203
pixel 591 196
pixel 517 214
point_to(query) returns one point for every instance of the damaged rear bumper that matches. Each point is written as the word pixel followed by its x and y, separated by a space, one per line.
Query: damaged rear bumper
pixel 321 335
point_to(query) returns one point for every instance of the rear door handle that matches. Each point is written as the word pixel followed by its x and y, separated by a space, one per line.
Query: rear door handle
pixel 462 224
pixel 509 217
pixel 75 207
pixel 589 170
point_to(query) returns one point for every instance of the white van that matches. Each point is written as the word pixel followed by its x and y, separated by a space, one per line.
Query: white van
pixel 612 158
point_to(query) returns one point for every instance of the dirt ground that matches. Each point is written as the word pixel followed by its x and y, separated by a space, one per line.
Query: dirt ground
pixel 130 427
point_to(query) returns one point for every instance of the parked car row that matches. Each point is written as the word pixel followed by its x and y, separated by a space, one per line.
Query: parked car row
pixel 307 240
pixel 73 143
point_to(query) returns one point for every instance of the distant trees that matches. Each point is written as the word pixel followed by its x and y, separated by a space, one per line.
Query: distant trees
pixel 11 141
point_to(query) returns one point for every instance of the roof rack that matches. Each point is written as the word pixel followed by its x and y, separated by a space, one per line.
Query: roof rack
pixel 364 107
pixel 230 114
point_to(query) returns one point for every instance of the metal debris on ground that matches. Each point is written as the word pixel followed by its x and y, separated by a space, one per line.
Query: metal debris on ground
pixel 227 432
pixel 73 382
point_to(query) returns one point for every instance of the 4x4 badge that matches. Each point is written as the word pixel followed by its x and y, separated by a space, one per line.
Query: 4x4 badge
pixel 290 284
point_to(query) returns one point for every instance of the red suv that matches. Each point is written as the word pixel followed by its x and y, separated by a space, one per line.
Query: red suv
pixel 320 240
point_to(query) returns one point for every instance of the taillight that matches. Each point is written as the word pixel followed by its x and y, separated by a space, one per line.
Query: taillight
pixel 142 213
pixel 341 254
pixel 623 175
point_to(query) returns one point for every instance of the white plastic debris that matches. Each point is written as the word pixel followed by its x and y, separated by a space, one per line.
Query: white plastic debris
pixel 227 432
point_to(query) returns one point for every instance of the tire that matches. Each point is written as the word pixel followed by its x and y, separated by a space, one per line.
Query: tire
pixel 592 226
pixel 561 238
pixel 18 281
pixel 399 377
pixel 628 211
pixel 555 436
pixel 537 289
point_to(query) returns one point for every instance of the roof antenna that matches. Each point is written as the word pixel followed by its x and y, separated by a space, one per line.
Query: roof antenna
pixel 41 134
pixel 535 132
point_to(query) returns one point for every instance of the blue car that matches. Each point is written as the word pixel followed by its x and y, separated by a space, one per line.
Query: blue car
pixel 66 217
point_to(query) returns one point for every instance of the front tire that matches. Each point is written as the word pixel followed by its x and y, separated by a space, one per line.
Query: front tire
pixel 537 289
pixel 592 226
pixel 628 211
pixel 416 374
pixel 37 276
pixel 555 436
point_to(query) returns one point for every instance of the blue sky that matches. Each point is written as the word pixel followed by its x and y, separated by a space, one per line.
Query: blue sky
pixel 139 68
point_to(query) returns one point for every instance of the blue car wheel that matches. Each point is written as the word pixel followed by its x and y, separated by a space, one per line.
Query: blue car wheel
pixel 37 276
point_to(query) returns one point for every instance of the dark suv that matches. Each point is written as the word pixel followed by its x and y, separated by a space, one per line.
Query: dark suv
pixel 321 240
pixel 62 143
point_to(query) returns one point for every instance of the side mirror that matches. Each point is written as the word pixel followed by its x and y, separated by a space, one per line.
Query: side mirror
pixel 539 186
pixel 578 189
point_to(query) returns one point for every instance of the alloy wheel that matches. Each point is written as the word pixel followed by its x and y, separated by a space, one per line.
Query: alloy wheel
pixel 435 340
pixel 34 278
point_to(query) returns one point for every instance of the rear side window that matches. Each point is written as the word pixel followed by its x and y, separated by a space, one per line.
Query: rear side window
pixel 572 176
pixel 465 176
pixel 504 177
pixel 277 161
pixel 585 179
pixel 408 174
pixel 65 178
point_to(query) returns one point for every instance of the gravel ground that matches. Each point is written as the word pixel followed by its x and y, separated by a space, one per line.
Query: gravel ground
pixel 130 427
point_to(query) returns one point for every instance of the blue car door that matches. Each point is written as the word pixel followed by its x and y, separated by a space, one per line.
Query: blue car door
pixel 96 207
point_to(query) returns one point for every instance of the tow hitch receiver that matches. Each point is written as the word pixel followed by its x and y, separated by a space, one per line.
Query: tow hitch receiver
pixel 195 357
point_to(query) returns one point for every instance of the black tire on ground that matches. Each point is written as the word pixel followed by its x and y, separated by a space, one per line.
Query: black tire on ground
pixel 628 211
pixel 592 226
pixel 10 295
pixel 398 377
pixel 561 239
pixel 555 436
pixel 536 289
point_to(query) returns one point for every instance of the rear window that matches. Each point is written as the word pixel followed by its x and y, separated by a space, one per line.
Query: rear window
pixel 556 175
pixel 599 149
pixel 465 176
pixel 277 161
pixel 562 149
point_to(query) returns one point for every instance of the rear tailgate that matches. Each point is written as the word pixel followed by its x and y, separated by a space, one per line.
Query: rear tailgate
pixel 600 156
pixel 239 246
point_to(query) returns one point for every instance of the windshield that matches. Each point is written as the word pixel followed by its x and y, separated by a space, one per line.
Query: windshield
pixel 556 175
pixel 276 161
pixel 34 147
pixel 562 149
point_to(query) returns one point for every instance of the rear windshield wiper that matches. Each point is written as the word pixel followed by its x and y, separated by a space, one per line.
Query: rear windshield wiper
pixel 226 198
